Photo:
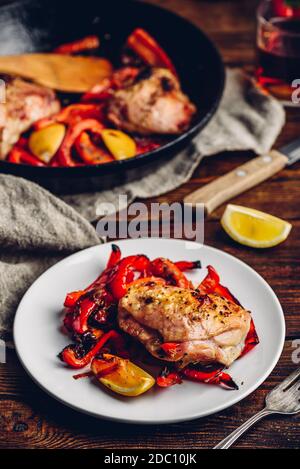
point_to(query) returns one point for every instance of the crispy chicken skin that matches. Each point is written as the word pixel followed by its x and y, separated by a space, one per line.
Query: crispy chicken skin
pixel 209 328
pixel 154 104
pixel 25 103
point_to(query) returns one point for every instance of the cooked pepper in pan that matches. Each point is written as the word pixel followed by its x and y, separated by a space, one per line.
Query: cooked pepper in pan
pixel 133 111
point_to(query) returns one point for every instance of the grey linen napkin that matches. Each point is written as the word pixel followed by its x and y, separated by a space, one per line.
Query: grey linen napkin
pixel 37 229
pixel 246 120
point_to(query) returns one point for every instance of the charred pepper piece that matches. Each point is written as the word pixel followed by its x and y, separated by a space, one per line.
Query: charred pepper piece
pixel 87 43
pixel 168 378
pixel 89 152
pixel 123 274
pixel 148 49
pixel 69 356
pixel 115 256
pixel 173 350
pixel 166 269
pixel 74 296
pixel 73 132
pixel 251 340
pixel 211 284
pixel 94 301
pixel 72 114
pixel 20 156
pixel 188 265
pixel 216 376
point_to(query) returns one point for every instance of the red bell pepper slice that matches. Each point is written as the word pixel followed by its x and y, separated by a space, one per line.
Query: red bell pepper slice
pixel 20 156
pixel 72 114
pixel 168 378
pixel 86 307
pixel 79 111
pixel 107 369
pixel 100 92
pixel 115 256
pixel 148 49
pixel 216 376
pixel 286 8
pixel 64 153
pixel 68 354
pixel 99 282
pixel 91 153
pixel 123 274
pixel 22 143
pixel 251 340
pixel 166 269
pixel 211 284
pixel 84 302
pixel 86 43
pixel 87 374
pixel 188 265
pixel 98 300
pixel 173 350
pixel 102 367
pixel 72 298
pixel 146 144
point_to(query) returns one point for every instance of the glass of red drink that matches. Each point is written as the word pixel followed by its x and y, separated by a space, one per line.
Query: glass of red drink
pixel 278 42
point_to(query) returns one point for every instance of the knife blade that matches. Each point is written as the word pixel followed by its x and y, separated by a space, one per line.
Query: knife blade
pixel 292 151
pixel 244 177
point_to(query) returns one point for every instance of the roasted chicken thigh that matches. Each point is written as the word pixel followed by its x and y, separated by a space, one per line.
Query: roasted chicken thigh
pixel 25 103
pixel 153 104
pixel 207 328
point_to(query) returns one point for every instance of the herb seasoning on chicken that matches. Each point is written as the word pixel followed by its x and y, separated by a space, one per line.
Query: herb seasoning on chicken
pixel 207 328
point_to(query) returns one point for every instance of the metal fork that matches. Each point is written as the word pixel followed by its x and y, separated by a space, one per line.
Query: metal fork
pixel 284 399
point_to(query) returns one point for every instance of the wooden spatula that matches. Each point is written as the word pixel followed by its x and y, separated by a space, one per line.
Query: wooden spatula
pixel 73 74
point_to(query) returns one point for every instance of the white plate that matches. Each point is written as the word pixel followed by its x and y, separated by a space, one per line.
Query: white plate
pixel 38 338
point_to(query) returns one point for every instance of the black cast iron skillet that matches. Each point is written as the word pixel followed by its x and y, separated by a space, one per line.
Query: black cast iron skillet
pixel 33 25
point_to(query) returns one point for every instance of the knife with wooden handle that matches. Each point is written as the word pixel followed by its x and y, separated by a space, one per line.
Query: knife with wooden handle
pixel 244 177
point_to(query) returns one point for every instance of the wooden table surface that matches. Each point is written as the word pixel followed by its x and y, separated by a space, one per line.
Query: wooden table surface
pixel 30 419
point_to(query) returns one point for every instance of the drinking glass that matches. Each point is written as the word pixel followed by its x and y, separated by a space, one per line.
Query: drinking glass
pixel 278 44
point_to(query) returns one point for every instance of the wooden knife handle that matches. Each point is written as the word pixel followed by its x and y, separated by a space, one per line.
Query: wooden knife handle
pixel 239 180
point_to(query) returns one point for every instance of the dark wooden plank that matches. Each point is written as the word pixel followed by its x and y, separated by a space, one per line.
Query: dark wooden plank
pixel 278 195
pixel 31 419
pixel 231 25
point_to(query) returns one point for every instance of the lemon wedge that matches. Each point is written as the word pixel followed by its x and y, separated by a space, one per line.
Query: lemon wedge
pixel 254 228
pixel 127 379
pixel 45 142
pixel 119 144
